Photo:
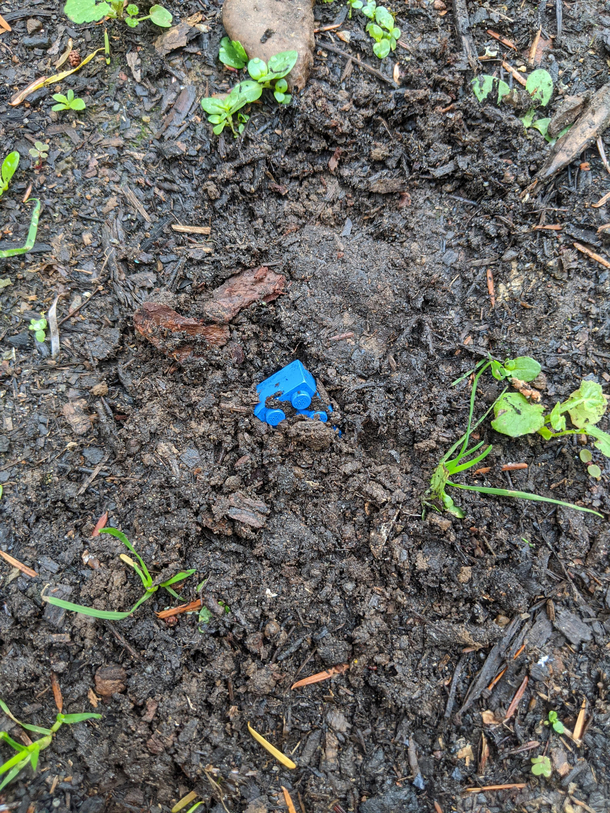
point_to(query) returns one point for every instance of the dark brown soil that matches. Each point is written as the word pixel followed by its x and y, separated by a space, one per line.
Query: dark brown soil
pixel 383 208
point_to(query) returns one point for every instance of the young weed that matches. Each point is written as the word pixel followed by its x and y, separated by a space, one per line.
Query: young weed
pixel 516 416
pixel 39 327
pixel 68 102
pixel 40 152
pixel 90 11
pixel 150 588
pixel 541 766
pixel 29 754
pixel 9 167
pixel 555 722
pixel 232 54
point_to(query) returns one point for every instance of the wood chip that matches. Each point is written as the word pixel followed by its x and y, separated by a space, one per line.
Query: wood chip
pixel 516 699
pixel 286 761
pixel 191 229
pixel 580 721
pixel 601 201
pixel 320 676
pixel 59 701
pixel 288 800
pixel 183 608
pixel 4 25
pixel 93 698
pixel 131 197
pixel 491 288
pixel 518 77
pixel 74 412
pixel 16 563
pixel 597 257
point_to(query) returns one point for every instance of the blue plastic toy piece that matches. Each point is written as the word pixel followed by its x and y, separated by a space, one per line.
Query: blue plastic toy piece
pixel 292 383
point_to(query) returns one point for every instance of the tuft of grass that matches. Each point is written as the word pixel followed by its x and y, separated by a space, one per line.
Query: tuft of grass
pixel 150 588
pixel 29 754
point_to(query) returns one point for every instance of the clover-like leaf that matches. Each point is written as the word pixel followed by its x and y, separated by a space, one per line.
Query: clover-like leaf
pixel 381 49
pixel 541 766
pixel 281 64
pixel 515 416
pixel 78 104
pixel 132 22
pixel 215 104
pixel 603 439
pixel 523 367
pixel 384 18
pixel 482 86
pixel 132 10
pixel 232 53
pixel 87 11
pixel 242 94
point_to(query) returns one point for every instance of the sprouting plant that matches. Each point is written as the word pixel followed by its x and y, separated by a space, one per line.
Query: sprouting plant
pixel 150 587
pixel 555 722
pixel 232 54
pixel 274 71
pixel 593 470
pixel 383 31
pixel 39 326
pixel 39 151
pixel 221 109
pixel 89 11
pixel 31 238
pixel 539 86
pixel 29 754
pixel 541 766
pixel 369 9
pixel 68 102
pixel 354 4
pixel 9 167
pixel 514 416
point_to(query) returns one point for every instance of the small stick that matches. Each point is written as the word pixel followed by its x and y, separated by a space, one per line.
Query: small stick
pixel 516 699
pixel 366 67
pixel 597 257
pixel 327 28
pixel 496 679
pixel 16 563
pixel 601 201
pixel 183 608
pixel 549 227
pixel 602 153
pixel 59 701
pixel 191 229
pixel 517 785
pixel 82 305
pixel 515 74
pixel 580 721
pixel 92 476
pixel 506 42
pixel 341 336
pixel 491 288
pixel 320 676
pixel 513 466
pixel 28 192
pixel 603 228
pixel 122 640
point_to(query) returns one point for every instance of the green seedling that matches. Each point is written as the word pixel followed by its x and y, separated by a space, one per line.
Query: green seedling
pixel 90 11
pixel 39 326
pixel 39 151
pixel 555 722
pixel 515 416
pixel 232 53
pixel 31 238
pixel 29 754
pixel 68 102
pixel 539 85
pixel 383 30
pixel 140 568
pixel 221 109
pixel 9 167
pixel 354 4
pixel 541 766
pixel 272 73
pixel 368 9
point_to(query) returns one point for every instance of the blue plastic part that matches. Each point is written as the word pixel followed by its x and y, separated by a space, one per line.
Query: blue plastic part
pixel 292 383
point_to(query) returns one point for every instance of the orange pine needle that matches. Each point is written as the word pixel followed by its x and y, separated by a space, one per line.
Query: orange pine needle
pixel 506 42
pixel 59 701
pixel 320 676
pixel 101 523
pixel 516 699
pixel 183 608
pixel 517 785
pixel 491 288
pixel 484 470
pixel 437 808
pixel 549 227
pixel 496 679
pixel 580 721
pixel 4 24
pixel 515 74
pixel 518 652
pixel 16 563
pixel 597 257
pixel 288 800
pixel 513 466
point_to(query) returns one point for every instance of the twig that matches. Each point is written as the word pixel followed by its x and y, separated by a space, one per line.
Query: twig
pixel 364 65
pixel 183 608
pixel 597 257
pixel 601 201
pixel 491 288
pixel 453 687
pixel 531 59
pixel 515 74
pixel 516 699
pixel 580 721
pixel 462 27
pixel 92 476
pixel 516 785
pixel 82 305
pixel 59 701
pixel 602 153
pixel 122 640
pixel 16 563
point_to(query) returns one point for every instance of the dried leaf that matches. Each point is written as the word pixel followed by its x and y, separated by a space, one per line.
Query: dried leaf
pixel 286 761
pixel 101 523
pixel 93 698
pixel 59 701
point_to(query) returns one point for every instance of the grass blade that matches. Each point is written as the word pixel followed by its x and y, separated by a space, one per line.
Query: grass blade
pixel 523 495
pixel 70 719
pixel 35 728
pixel 109 615
pixel 184 574
pixel 12 774
pixel 120 535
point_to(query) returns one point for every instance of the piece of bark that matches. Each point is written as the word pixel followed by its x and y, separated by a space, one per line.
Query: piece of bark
pixel 110 680
pixel 177 336
pixel 268 27
pixel 587 129
pixel 462 27
pixel 241 291
pixel 74 412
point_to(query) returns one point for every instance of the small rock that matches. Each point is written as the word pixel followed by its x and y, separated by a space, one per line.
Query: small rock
pixel 100 389
pixel 41 41
pixel 93 455
pixel 266 28
pixel 435 519
pixel 19 339
pixel 110 680
pixel 464 575
pixel 33 25
pixel 4 444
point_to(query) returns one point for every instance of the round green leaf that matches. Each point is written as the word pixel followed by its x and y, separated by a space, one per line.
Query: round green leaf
pixel 281 64
pixel 482 86
pixel 281 85
pixel 540 86
pixel 78 104
pixel 279 96
pixel 585 455
pixel 384 18
pixel 131 22
pixel 132 10
pixel 214 104
pixel 396 33
pixel 381 49
pixel 57 108
pixel 215 119
pixel 40 337
pixel 219 128
pixel 542 125
pixel 87 11
pixel 160 16
pixel 515 416
pixel 257 69
pixel 595 471
pixel 523 367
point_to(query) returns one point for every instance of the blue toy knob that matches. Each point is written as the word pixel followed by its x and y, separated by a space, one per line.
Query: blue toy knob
pixel 300 399
pixel 274 416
